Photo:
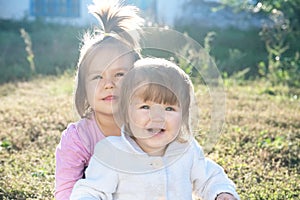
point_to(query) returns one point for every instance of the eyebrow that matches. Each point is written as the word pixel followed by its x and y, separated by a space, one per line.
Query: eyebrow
pixel 99 71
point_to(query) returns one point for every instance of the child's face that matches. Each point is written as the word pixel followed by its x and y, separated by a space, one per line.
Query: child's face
pixel 154 125
pixel 104 76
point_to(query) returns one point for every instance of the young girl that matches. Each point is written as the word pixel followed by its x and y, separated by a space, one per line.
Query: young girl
pixel 156 156
pixel 106 55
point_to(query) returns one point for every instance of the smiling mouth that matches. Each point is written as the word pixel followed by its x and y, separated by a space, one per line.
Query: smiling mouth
pixel 109 98
pixel 155 131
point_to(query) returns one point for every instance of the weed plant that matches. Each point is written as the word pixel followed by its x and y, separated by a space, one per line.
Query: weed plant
pixel 53 47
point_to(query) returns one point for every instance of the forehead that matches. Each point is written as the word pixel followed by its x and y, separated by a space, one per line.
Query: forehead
pixel 154 92
pixel 111 56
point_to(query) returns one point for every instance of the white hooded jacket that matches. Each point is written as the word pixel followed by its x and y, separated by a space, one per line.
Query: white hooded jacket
pixel 120 170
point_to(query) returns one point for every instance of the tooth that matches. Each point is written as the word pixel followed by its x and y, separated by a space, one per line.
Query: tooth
pixel 156 130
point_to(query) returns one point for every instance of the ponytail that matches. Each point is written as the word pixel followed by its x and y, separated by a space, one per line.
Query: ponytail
pixel 118 20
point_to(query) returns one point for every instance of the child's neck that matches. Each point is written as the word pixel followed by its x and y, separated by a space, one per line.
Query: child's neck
pixel 107 125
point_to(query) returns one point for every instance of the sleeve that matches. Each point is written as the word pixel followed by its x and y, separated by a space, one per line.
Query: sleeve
pixel 100 183
pixel 208 178
pixel 71 160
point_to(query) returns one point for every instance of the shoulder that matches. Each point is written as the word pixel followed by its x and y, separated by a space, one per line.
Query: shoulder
pixel 70 137
pixel 70 133
pixel 84 132
pixel 115 139
pixel 195 149
pixel 110 143
pixel 110 152
pixel 75 129
pixel 71 147
pixel 113 146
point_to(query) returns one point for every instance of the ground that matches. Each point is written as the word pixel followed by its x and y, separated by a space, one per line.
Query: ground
pixel 258 145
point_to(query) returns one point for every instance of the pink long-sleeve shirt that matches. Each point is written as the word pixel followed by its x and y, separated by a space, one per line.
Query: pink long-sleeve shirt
pixel 73 154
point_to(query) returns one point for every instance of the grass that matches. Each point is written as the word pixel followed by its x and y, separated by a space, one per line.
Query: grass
pixel 33 115
pixel 258 147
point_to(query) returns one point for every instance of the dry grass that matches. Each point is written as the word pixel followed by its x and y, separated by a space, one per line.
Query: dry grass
pixel 258 147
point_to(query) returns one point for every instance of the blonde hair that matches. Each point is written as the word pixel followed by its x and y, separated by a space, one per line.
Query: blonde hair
pixel 120 27
pixel 161 81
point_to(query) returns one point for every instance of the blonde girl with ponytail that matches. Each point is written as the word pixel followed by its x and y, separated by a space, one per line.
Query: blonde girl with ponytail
pixel 106 55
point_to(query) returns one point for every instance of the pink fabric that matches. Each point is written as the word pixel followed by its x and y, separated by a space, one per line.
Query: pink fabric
pixel 73 155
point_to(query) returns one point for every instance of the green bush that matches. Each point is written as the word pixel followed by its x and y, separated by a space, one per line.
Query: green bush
pixel 236 50
pixel 233 49
pixel 55 49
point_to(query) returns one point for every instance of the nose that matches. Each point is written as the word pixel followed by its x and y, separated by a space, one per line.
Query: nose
pixel 157 113
pixel 109 84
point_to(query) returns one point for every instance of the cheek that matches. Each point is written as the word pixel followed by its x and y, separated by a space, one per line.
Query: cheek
pixel 91 90
pixel 134 117
pixel 176 121
pixel 116 92
pixel 119 81
pixel 138 118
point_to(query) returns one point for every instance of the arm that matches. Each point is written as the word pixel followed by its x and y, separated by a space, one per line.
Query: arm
pixel 71 159
pixel 209 179
pixel 100 183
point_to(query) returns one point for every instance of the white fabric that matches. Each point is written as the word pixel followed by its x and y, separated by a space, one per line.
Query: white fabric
pixel 120 170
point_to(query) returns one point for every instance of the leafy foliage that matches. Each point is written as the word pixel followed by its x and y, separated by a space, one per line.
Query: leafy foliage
pixel 36 48
pixel 280 36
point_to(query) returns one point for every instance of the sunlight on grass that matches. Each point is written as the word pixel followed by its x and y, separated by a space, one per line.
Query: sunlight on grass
pixel 258 146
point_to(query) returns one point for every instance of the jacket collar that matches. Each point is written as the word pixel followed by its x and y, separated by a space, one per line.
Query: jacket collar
pixel 173 149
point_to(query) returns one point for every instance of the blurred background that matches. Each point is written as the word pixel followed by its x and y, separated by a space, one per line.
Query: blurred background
pixel 248 39
pixel 255 45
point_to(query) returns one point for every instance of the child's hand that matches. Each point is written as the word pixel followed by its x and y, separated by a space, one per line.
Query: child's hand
pixel 225 196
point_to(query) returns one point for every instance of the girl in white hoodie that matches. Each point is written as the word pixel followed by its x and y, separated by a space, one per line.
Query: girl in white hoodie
pixel 156 156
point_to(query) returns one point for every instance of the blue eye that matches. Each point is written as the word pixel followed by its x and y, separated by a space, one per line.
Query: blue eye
pixel 119 74
pixel 97 77
pixel 169 108
pixel 145 107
